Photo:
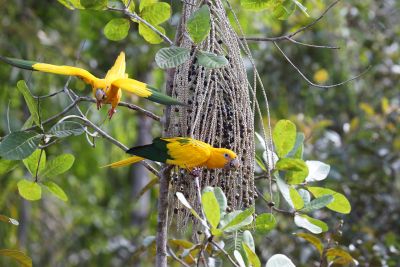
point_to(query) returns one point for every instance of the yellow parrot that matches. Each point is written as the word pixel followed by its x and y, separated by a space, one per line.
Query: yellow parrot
pixel 107 90
pixel 185 152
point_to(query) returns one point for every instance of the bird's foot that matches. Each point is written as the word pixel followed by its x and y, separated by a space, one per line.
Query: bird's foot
pixel 111 112
pixel 195 172
pixel 98 104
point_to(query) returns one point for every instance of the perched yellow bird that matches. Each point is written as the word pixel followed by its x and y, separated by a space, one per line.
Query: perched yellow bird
pixel 107 90
pixel 185 152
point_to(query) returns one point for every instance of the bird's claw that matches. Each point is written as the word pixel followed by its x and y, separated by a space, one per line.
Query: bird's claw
pixel 98 104
pixel 111 112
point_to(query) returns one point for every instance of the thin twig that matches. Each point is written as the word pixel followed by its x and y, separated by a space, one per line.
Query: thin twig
pixel 318 85
pixel 8 117
pixel 313 45
pixel 170 252
pixel 38 164
pixel 271 204
pixel 290 35
pixel 225 252
pixel 49 95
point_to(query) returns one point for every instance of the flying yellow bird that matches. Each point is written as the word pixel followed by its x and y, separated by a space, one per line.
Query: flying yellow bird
pixel 185 152
pixel 107 90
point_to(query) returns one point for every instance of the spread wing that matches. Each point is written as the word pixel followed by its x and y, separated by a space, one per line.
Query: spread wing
pixel 118 70
pixel 43 67
pixel 143 90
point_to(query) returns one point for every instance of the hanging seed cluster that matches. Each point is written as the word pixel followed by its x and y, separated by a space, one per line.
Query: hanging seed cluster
pixel 219 113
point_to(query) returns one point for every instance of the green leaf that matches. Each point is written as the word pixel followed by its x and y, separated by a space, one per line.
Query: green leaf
pixel 56 190
pixel 211 208
pixel 71 4
pixel 317 170
pixel 313 225
pixel 131 3
pixel 7 165
pixel 339 204
pixel 94 4
pixel 171 57
pixel 279 260
pixel 239 258
pixel 339 256
pixel 251 256
pixel 237 219
pixel 265 222
pixel 145 3
pixel 256 5
pixel 317 203
pixel 260 163
pixel 28 123
pixel 31 103
pixel 249 240
pixel 305 195
pixel 221 199
pixel 17 255
pixel 58 165
pixel 8 220
pixel 29 190
pixel 199 24
pixel 270 157
pixel 285 191
pixel 156 13
pixel 296 198
pixel 296 170
pixel 211 60
pixel 149 35
pixel 117 29
pixel 283 10
pixel 315 241
pixel 66 128
pixel 31 162
pixel 284 137
pixel 19 145
pixel 186 203
pixel 297 151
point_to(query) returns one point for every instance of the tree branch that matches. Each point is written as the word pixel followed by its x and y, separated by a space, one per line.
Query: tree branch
pixel 225 252
pixel 170 252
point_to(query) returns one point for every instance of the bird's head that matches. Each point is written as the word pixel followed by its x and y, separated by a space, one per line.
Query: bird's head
pixel 223 158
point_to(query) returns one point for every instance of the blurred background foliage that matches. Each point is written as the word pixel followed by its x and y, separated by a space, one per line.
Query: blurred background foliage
pixel 354 128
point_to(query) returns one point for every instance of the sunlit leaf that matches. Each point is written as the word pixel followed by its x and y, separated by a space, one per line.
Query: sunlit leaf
pixel 145 3
pixel 19 145
pixel 7 165
pixel 317 170
pixel 221 199
pixel 264 223
pixel 279 260
pixel 317 203
pixel 131 3
pixel 117 29
pixel 66 128
pixel 29 190
pixel 256 5
pixel 211 60
pixel 315 241
pixel 284 9
pixel 30 102
pixel 339 204
pixel 149 35
pixel 296 198
pixel 171 57
pixel 31 162
pixel 237 219
pixel 58 165
pixel 156 13
pixel 296 170
pixel 94 4
pixel 186 203
pixel 199 24
pixel 339 256
pixel 17 255
pixel 313 225
pixel 56 190
pixel 251 256
pixel 249 240
pixel 211 208
pixel 8 220
pixel 285 191
pixel 297 151
pixel 284 137
pixel 71 4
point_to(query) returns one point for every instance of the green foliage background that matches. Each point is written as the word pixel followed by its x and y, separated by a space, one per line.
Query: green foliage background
pixel 354 128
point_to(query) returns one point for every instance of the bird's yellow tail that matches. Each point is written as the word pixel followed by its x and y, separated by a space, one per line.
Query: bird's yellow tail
pixel 124 162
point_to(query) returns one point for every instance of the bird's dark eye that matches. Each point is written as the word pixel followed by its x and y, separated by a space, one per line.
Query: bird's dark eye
pixel 226 155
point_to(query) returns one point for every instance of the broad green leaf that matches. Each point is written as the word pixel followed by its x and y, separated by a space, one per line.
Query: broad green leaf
pixel 339 204
pixel 211 60
pixel 211 208
pixel 297 151
pixel 8 220
pixel 296 198
pixel 237 219
pixel 256 5
pixel 117 29
pixel 171 57
pixel 56 190
pixel 19 145
pixel 285 191
pixel 284 137
pixel 284 9
pixel 313 225
pixel 149 35
pixel 28 123
pixel 131 3
pixel 145 3
pixel 58 165
pixel 66 128
pixel 31 162
pixel 296 170
pixel 156 13
pixel 7 165
pixel 221 199
pixel 30 101
pixel 249 240
pixel 265 222
pixel 315 241
pixel 71 4
pixel 94 4
pixel 186 203
pixel 199 24
pixel 279 260
pixel 239 258
pixel 305 195
pixel 317 170
pixel 251 256
pixel 17 255
pixel 317 203
pixel 29 190
pixel 302 8
pixel 339 256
